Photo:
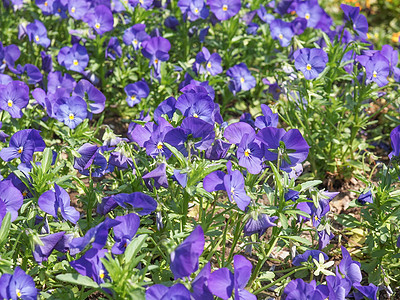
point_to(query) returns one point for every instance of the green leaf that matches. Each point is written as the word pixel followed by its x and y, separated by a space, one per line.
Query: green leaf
pixel 5 228
pixel 182 160
pixel 77 279
pixel 309 184
pixel 297 239
pixel 134 247
pixel 47 160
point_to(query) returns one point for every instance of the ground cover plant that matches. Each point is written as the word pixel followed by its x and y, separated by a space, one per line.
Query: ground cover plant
pixel 196 149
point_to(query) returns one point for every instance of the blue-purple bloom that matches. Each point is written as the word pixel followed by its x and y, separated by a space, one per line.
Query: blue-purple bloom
pixel 359 22
pixel 71 111
pixel 90 265
pixel 282 31
pixel 50 241
pixel 135 35
pixel 224 9
pixel 17 286
pixel 212 62
pixel 11 200
pixel 124 232
pixel 193 9
pixel 37 33
pixel 311 11
pixel 51 201
pixel 259 223
pixel 75 58
pixel 241 78
pixel 311 62
pixel 14 97
pixel 113 49
pixel 95 99
pixel 395 142
pixel 136 92
pixel 101 20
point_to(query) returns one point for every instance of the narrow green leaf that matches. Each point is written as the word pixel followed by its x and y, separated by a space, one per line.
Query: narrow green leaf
pixel 5 228
pixel 47 160
pixel 134 247
pixel 77 279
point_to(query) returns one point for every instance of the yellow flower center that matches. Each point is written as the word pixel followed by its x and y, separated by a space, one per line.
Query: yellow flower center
pixel 71 116
pixel 4 61
pixel 133 97
pixel 73 9
pixel 156 61
pixel 225 7
pixel 196 11
pixel 247 152
pixel 20 149
pixel 309 67
pixel 209 65
pixel 97 25
pixel 280 36
pixel 278 90
pixel 75 62
pixel 59 10
pixel 159 146
pixel 24 193
pixel 195 115
pixel 46 4
pixel 37 38
pixel 316 218
pixel 374 74
pixel 307 16
pixel 135 41
pixel 18 291
pixel 141 1
pixel 10 103
pixel 101 274
pixel 241 79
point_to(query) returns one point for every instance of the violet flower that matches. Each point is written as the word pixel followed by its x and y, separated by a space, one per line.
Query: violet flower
pixel 167 107
pixel 101 20
pixel 42 252
pixel 222 282
pixel 113 49
pixel 37 33
pixel 299 259
pixel 365 198
pixel 232 183
pixel 350 268
pixel 268 119
pixel 11 200
pixel 78 8
pixel 241 78
pixel 298 289
pixel 8 56
pixel 193 9
pixel 90 265
pixel 22 145
pixel 161 292
pixel 212 62
pixel 281 31
pixel 156 50
pixel 94 98
pixel 71 111
pixel 75 58
pixel 259 223
pixel 51 201
pixel 359 22
pixel 17 286
pixel 124 232
pixel 311 11
pixel 185 258
pixel 136 91
pixel 197 105
pixel 135 35
pixel 311 62
pixel 395 142
pixel 157 177
pixel 14 97
pixel 224 9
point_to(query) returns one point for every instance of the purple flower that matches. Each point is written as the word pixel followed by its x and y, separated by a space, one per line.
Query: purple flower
pixel 135 35
pixel 298 289
pixel 78 8
pixel 324 238
pixel 185 258
pixel 268 119
pixel 56 80
pixel 222 282
pixel 17 286
pixel 212 62
pixel 13 97
pixel 75 58
pixel 96 235
pixel 311 62
pixel 365 198
pixel 11 200
pixel 37 32
pixel 136 91
pixel 142 204
pixel 200 284
pixel 71 111
pixel 47 62
pixel 3 136
pixel 161 292
pixel 282 31
pixel 369 291
pixel 90 265
pixel 218 150
pixel 311 11
pixel 241 78
pixel 51 201
pixel 232 183
pixel 101 19
pixel 159 176
pixel 113 48
pixel 22 145
pixel 294 149
pixel 124 232
pixel 167 107
pixel 298 259
pixel 350 268
pixel 95 98
pixel 193 9
pixel 197 105
pixel 42 252
pixel 8 56
pixel 359 22
pixel 224 9
pixel 171 22
pixel 156 50
pixel 377 70
pixel 395 142
pixel 338 287
pixel 259 224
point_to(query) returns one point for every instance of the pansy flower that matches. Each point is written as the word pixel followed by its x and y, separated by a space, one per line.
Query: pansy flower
pixel 124 232
pixel 241 78
pixel 156 50
pixel 359 22
pixel 8 56
pixel 78 8
pixel 224 9
pixel 259 223
pixel 311 62
pixel 222 283
pixel 135 35
pixel 22 145
pixel 37 33
pixel 160 292
pixel 298 289
pixel 185 258
pixel 14 97
pixel 101 20
pixel 395 142
pixel 49 242
pixel 17 286
pixel 311 11
pixel 197 105
pixel 113 49
pixel 282 31
pixel 193 9
pixel 268 119
pixel 11 200
pixel 95 98
pixel 75 58
pixel 136 91
pixel 71 111
pixel 90 265
pixel 51 201
pixel 212 62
